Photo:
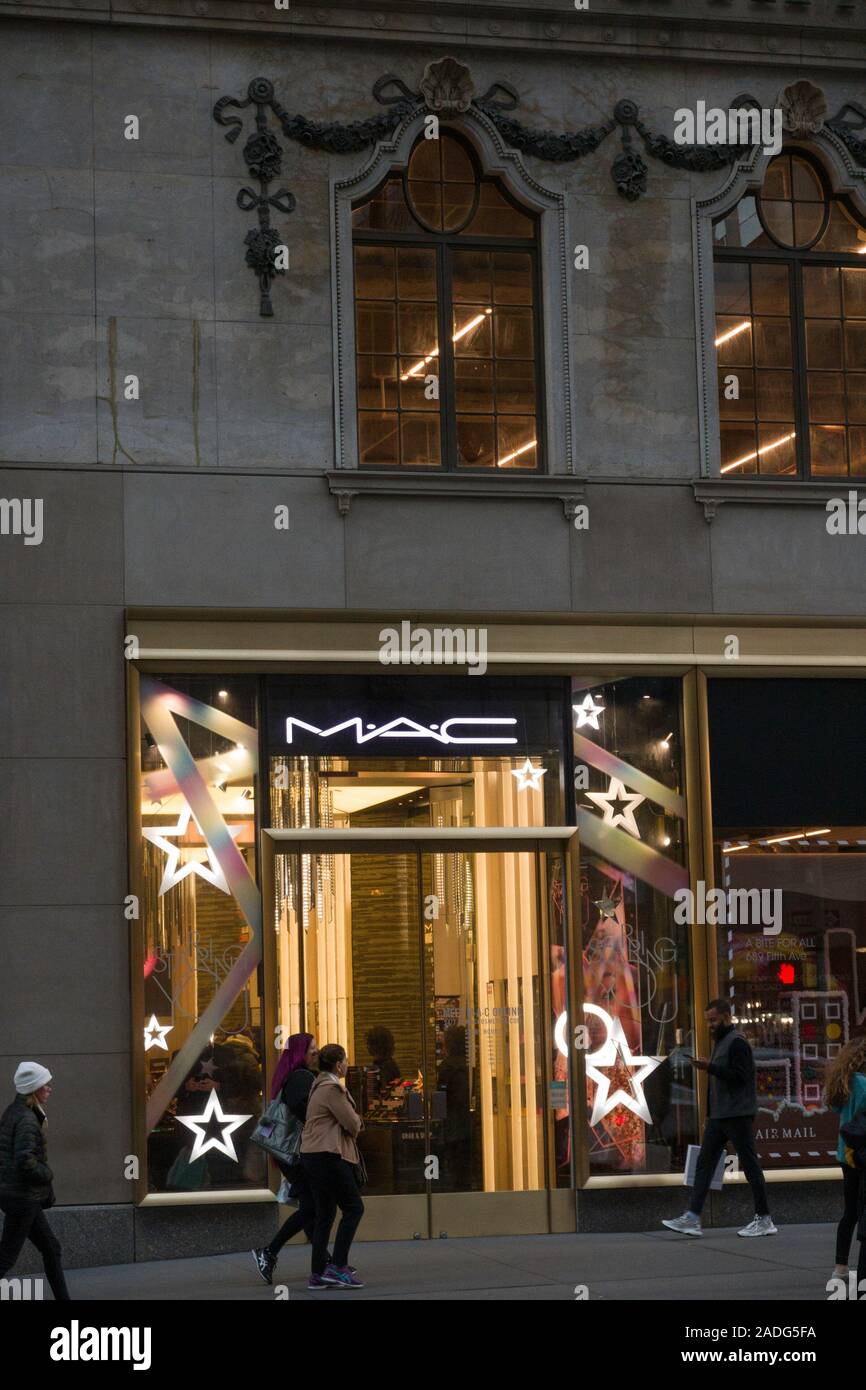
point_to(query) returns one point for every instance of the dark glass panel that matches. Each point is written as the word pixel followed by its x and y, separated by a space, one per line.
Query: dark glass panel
pixel 470 277
pixel 386 211
pixel 456 162
pixel 516 443
pixel 806 183
pixel 458 200
pixel 378 439
pixel 734 341
pixel 416 273
pixel 808 221
pixel 826 397
pixel 854 292
pixel 777 180
pixel 772 342
pixel 514 336
pixel 841 234
pixel 821 291
pixel 377 383
pixel 779 221
pixel 732 288
pixel 770 294
pixel 420 440
pixel 515 387
pixel 426 201
pixel 496 216
pixel 475 441
pixel 855 383
pixel 823 343
pixel 474 385
pixel 775 395
pixel 828 450
pixel 374 272
pixel 418 328
pixel 425 163
pixel 778 449
pixel 375 327
pixel 738 449
pixel 471 331
pixel 512 277
pixel 857 450
pixel 855 344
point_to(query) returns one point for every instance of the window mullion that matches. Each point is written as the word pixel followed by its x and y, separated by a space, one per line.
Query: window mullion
pixel 447 407
pixel 801 387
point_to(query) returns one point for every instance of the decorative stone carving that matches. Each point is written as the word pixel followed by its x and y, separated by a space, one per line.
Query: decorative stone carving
pixel 804 108
pixel 447 86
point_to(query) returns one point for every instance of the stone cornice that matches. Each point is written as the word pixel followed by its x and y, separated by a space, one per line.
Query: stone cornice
pixel 712 493
pixel 344 484
pixel 724 30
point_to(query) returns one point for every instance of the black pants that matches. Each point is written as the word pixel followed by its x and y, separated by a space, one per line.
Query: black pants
pixel 333 1182
pixel 740 1132
pixel 852 1191
pixel 25 1220
pixel 304 1219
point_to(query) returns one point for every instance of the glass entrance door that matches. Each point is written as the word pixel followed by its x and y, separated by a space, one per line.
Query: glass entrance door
pixel 437 961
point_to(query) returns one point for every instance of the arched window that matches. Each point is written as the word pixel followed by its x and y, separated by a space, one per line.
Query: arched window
pixel 790 301
pixel 446 318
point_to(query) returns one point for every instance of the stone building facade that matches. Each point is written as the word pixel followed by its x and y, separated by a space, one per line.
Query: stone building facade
pixel 189 417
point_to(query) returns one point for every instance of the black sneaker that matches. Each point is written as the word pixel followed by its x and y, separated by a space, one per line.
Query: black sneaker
pixel 265 1264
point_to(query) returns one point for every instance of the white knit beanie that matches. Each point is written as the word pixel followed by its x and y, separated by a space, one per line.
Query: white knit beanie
pixel 30 1076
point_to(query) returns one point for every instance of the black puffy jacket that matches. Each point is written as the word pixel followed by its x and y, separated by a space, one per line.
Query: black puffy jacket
pixel 24 1171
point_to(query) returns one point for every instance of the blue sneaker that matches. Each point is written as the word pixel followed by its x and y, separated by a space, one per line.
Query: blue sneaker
pixel 345 1278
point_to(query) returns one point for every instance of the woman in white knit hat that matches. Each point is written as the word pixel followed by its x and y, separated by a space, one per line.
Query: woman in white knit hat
pixel 25 1178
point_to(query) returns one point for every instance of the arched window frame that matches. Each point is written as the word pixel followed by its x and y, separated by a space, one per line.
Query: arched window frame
pixel 496 161
pixel 843 179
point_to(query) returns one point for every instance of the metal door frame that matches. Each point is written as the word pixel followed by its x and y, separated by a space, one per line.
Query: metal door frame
pixel 471 839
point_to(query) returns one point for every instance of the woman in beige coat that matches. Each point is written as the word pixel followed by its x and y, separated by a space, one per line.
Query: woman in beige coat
pixel 328 1155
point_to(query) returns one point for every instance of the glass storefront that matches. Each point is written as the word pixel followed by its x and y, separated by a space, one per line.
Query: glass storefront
pixel 448 969
pixel 790 856
pixel 631 814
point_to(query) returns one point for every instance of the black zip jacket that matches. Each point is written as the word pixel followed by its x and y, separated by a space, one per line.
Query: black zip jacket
pixel 24 1170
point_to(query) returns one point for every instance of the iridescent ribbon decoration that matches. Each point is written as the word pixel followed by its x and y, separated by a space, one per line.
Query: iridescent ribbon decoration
pixel 617 845
pixel 159 704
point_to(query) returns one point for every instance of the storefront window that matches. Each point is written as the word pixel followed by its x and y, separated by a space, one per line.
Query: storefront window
pixel 426 967
pixel 200 918
pixel 628 779
pixel 792 927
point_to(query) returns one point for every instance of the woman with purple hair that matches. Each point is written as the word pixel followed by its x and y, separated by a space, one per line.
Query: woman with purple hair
pixel 293 1081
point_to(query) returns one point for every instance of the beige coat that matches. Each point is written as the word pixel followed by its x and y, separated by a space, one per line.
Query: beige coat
pixel 332 1121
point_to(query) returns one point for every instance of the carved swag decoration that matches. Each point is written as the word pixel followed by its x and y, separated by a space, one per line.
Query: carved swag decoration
pixel 447 89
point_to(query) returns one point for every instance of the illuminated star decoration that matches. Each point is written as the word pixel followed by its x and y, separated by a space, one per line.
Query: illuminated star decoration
pixel 154 1034
pixel 213 1118
pixel 207 1068
pixel 615 1051
pixel 587 712
pixel 175 872
pixel 528 776
pixel 617 796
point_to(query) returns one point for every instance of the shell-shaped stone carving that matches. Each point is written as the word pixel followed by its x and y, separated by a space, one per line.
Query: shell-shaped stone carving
pixel 804 108
pixel 447 86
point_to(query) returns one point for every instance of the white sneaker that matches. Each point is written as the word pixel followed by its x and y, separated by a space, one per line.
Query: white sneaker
pixel 759 1226
pixel 686 1225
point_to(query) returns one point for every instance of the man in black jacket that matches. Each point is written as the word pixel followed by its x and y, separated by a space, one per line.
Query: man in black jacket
pixel 25 1178
pixel 733 1104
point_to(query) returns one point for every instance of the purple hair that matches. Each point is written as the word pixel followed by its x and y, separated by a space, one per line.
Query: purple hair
pixel 292 1057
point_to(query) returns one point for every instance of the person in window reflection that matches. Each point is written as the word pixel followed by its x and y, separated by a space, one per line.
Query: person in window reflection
pixel 453 1079
pixel 733 1104
pixel 330 1158
pixel 380 1044
pixel 845 1092
pixel 292 1083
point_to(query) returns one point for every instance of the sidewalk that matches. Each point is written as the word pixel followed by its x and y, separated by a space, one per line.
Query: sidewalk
pixel 793 1266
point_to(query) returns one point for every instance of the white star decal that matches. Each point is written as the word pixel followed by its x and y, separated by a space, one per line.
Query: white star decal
pixel 162 836
pixel 528 776
pixel 199 1123
pixel 587 712
pixel 614 1047
pixel 607 908
pixel 617 792
pixel 154 1034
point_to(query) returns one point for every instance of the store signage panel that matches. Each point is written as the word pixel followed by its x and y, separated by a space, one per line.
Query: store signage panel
pixel 425 717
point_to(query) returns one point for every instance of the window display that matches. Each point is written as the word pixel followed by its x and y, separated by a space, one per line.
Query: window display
pixel 641 1103
pixel 201 928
